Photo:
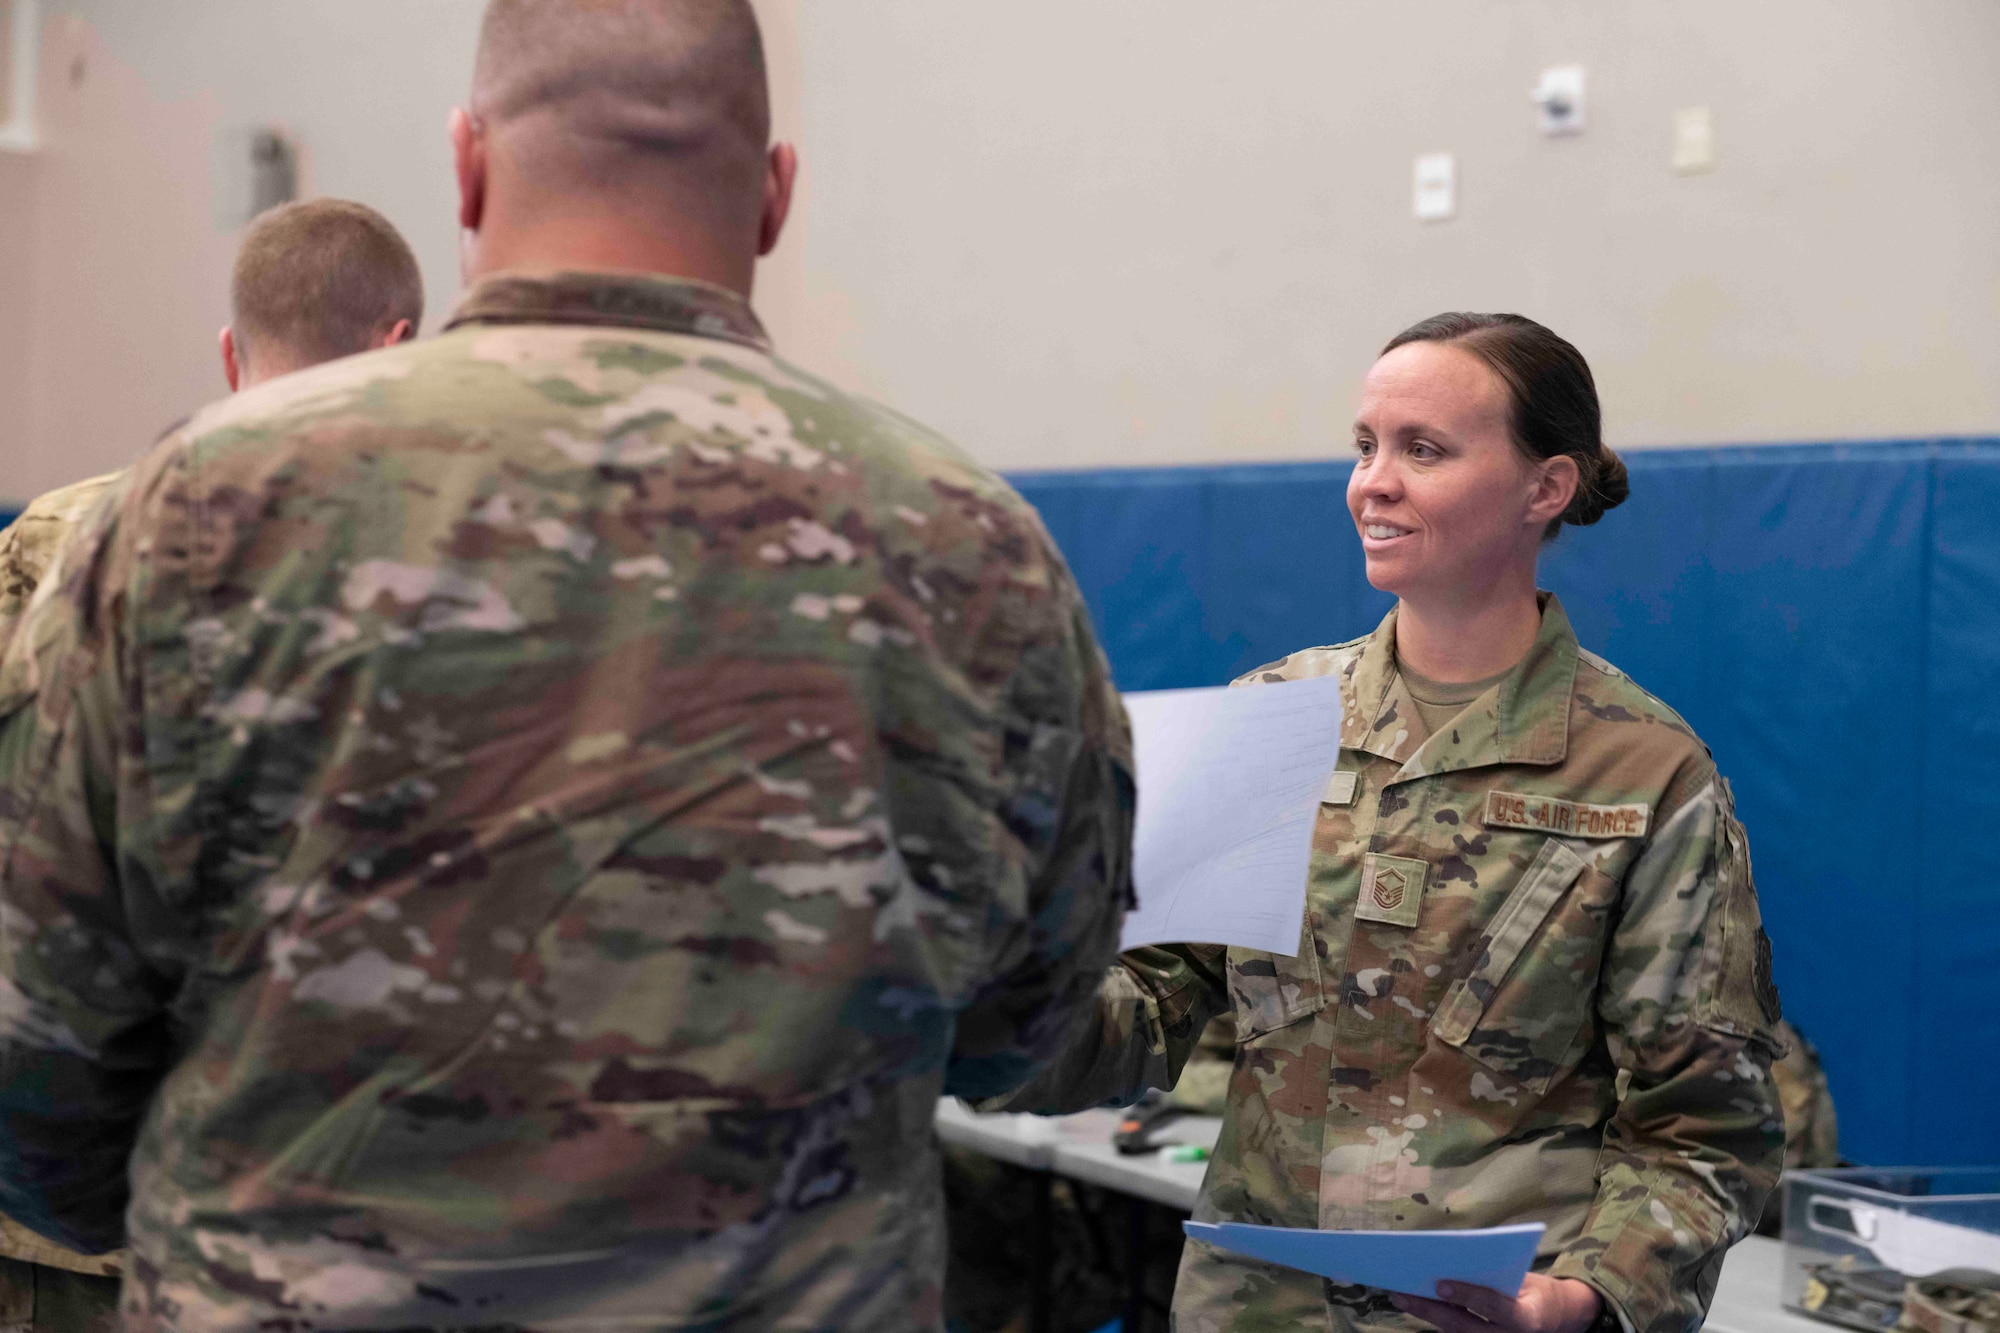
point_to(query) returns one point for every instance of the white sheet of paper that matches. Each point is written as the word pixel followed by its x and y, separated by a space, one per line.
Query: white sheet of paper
pixel 1229 786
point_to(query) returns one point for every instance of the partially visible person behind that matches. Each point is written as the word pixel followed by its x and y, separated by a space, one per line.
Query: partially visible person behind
pixel 520 829
pixel 1812 1130
pixel 313 282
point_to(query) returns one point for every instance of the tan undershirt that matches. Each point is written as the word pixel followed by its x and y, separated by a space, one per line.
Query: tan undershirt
pixel 1438 701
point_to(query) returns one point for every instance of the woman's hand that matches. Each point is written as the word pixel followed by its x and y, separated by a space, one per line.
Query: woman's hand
pixel 1544 1305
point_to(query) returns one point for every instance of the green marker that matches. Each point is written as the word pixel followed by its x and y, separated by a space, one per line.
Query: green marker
pixel 1187 1152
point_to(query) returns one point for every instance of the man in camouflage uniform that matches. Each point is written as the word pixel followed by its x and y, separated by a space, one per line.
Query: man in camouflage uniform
pixel 1533 985
pixel 521 829
pixel 312 282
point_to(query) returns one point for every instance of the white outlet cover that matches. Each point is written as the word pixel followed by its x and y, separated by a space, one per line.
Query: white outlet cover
pixel 1694 140
pixel 1559 100
pixel 1436 187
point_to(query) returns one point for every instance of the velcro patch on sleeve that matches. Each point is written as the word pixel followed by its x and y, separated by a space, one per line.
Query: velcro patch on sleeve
pixel 1567 819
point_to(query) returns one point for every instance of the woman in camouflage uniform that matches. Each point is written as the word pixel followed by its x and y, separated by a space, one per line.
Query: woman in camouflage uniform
pixel 1532 984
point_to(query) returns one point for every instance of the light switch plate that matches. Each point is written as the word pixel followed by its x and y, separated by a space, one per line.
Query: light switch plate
pixel 1694 140
pixel 1559 100
pixel 1436 187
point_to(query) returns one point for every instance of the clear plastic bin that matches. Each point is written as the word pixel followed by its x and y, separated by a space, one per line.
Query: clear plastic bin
pixel 1854 1236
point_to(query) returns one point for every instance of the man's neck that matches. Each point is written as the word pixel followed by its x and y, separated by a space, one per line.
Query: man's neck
pixel 601 242
pixel 1467 641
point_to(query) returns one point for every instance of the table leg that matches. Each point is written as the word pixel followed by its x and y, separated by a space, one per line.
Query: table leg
pixel 1135 1265
pixel 1041 1303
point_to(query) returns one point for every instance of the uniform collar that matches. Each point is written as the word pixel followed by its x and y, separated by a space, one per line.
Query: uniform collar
pixel 1524 719
pixel 623 300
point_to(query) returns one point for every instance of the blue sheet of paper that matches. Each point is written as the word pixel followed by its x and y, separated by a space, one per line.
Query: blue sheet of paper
pixel 1411 1262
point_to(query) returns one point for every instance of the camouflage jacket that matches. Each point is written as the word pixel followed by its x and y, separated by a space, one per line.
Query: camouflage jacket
pixel 27 548
pixel 522 828
pixel 30 543
pixel 1533 986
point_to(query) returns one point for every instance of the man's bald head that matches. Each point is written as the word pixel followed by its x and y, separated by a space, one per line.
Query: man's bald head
pixel 624 100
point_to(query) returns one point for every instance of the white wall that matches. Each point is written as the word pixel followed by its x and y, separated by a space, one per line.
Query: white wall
pixel 17 175
pixel 1079 232
pixel 1123 231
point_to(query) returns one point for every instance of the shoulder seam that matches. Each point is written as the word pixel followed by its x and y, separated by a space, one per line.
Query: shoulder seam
pixel 1611 671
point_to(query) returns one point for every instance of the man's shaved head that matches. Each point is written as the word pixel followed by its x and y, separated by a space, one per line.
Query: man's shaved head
pixel 629 98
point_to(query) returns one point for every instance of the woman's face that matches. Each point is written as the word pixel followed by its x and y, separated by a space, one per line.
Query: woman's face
pixel 1445 504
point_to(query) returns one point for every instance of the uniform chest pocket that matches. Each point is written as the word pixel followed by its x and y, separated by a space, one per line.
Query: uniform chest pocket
pixel 1270 991
pixel 1519 1011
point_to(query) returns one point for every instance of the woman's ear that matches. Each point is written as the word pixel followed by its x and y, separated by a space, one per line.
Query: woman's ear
pixel 1555 483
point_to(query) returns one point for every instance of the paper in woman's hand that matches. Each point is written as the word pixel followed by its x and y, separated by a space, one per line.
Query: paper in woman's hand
pixel 1410 1262
pixel 1229 787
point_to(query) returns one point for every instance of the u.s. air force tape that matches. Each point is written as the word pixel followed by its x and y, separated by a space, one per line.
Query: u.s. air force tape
pixel 1567 819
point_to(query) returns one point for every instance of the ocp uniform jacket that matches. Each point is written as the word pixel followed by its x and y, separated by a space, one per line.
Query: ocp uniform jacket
pixel 1533 985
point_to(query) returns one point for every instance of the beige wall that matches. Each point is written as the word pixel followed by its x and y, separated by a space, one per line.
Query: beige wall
pixel 1085 233
pixel 139 186
pixel 1077 232
pixel 17 175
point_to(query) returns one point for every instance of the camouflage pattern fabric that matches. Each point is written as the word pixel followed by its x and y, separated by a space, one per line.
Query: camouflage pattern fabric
pixel 30 543
pixel 1958 1300
pixel 28 548
pixel 522 828
pixel 1203 1086
pixel 1508 924
pixel 1812 1130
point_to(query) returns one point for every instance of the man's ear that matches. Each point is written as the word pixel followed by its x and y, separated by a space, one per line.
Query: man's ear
pixel 781 173
pixel 232 366
pixel 468 156
pixel 399 332
pixel 1556 480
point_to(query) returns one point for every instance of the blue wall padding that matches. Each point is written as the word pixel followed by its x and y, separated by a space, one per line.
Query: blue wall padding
pixel 1826 616
pixel 1953 873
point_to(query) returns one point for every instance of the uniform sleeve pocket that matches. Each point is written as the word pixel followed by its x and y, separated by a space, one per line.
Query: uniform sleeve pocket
pixel 1739 996
pixel 1269 991
pixel 1548 878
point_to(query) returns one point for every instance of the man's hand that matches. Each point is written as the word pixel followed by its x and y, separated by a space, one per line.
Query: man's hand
pixel 1545 1305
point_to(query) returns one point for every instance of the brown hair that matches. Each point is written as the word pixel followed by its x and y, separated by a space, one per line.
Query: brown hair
pixel 322 279
pixel 1556 413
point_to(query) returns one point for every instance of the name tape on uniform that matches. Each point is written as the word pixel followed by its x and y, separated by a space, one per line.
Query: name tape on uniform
pixel 1570 819
pixel 1340 789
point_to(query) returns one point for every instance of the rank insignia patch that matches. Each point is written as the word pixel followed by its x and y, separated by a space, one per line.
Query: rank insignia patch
pixel 1392 889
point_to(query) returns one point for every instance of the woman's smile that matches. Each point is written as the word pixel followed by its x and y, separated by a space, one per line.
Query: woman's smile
pixel 1376 534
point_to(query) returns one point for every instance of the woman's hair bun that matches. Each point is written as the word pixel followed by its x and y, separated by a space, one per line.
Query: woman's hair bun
pixel 1602 484
pixel 1556 412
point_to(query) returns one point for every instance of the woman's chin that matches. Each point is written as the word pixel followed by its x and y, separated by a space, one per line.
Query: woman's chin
pixel 1387 574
